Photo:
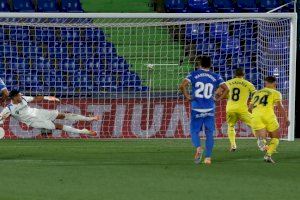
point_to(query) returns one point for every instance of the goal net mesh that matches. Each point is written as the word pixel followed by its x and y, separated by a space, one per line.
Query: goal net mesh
pixel 128 70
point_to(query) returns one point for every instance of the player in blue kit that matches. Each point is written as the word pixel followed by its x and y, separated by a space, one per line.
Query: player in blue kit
pixel 204 84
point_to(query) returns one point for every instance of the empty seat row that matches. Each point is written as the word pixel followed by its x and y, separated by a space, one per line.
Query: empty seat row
pixel 227 6
pixel 40 6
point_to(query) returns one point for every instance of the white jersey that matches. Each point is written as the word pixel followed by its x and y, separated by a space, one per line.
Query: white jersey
pixel 21 111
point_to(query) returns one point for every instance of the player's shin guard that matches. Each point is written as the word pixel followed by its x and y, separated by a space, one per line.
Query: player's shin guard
pixel 273 146
pixel 75 117
pixel 231 135
pixel 209 143
pixel 70 129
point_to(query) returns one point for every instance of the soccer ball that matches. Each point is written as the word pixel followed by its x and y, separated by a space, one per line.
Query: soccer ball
pixel 2 133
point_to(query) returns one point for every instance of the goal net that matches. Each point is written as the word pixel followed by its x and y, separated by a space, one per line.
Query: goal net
pixel 127 67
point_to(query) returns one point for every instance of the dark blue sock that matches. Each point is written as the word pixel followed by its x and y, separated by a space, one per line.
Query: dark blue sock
pixel 209 143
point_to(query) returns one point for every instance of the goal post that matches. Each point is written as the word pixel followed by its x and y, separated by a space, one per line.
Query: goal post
pixel 126 67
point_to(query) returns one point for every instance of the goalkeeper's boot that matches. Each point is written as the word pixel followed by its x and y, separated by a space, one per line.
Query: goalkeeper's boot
pixel 198 155
pixel 207 161
pixel 233 148
pixel 89 132
pixel 269 159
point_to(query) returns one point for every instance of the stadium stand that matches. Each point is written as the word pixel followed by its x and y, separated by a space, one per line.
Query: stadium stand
pixel 50 60
pixel 227 6
pixel 47 6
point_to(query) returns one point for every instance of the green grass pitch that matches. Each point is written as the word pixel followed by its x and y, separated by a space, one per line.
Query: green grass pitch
pixel 143 169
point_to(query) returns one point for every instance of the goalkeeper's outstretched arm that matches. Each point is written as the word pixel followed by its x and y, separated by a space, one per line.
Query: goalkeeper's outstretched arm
pixel 40 98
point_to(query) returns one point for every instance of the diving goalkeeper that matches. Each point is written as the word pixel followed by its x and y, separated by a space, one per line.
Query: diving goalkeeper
pixel 41 118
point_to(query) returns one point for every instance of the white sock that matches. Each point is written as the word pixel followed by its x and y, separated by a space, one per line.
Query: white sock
pixel 70 129
pixel 75 117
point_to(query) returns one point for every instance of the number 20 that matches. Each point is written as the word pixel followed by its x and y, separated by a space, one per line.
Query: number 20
pixel 204 90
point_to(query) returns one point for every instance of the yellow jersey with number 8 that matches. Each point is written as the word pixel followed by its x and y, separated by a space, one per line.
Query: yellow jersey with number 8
pixel 239 92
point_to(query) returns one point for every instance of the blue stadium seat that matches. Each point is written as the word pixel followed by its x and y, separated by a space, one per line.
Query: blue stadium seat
pixel 219 30
pixel 47 6
pixel 223 5
pixel 22 6
pixel 201 6
pixel 230 45
pixel 175 6
pixel 195 32
pixel 130 80
pixel 4 7
pixel 117 64
pixel 71 6
pixel 278 46
pixel 94 34
pixel 106 81
pixel 247 6
pixel 267 5
pixel 206 47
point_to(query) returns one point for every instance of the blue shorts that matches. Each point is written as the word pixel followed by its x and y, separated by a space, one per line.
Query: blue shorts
pixel 198 120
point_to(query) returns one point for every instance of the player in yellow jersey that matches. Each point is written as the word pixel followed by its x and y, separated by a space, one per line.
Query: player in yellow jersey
pixel 264 120
pixel 240 90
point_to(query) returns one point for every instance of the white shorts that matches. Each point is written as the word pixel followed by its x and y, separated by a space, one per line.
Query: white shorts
pixel 44 119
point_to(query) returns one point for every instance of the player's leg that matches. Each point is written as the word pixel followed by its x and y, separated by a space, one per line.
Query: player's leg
pixel 246 117
pixel 273 129
pixel 73 130
pixel 261 136
pixel 231 118
pixel 49 125
pixel 76 117
pixel 261 133
pixel 195 128
pixel 209 123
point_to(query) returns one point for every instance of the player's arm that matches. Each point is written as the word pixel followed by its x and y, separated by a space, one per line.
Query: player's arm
pixel 223 91
pixel 40 98
pixel 4 114
pixel 184 89
pixel 4 95
pixel 282 112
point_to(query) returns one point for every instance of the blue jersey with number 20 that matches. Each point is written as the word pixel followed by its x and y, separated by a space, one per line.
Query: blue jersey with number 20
pixel 204 84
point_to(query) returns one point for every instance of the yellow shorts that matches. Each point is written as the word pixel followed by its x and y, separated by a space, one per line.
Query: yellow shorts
pixel 265 121
pixel 233 116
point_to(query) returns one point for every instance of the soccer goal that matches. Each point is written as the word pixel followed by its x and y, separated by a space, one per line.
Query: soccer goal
pixel 127 67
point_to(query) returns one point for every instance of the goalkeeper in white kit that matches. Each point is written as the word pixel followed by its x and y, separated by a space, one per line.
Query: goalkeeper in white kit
pixel 41 118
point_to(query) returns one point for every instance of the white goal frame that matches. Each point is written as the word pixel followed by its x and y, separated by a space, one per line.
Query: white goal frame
pixel 293 36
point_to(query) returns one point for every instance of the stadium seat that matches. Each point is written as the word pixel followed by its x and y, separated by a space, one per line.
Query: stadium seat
pixel 71 6
pixel 230 45
pixel 247 6
pixel 267 5
pixel 201 6
pixel 47 6
pixel 22 6
pixel 130 80
pixel 106 81
pixel 94 34
pixel 117 64
pixel 195 32
pixel 223 5
pixel 4 7
pixel 219 30
pixel 206 47
pixel 174 6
